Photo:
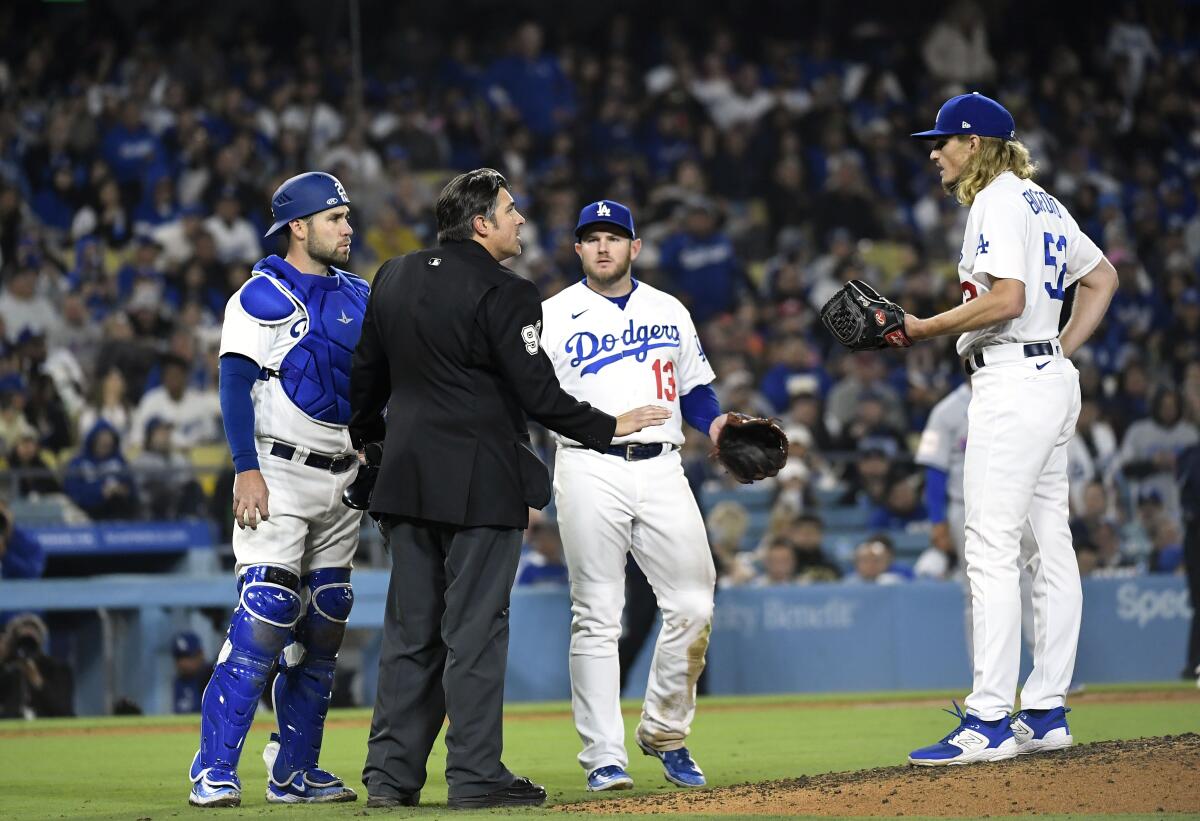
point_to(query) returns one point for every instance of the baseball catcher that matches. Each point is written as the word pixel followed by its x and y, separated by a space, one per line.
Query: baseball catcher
pixel 751 448
pixel 863 320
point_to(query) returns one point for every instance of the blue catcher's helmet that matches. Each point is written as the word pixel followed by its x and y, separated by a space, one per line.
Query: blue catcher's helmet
pixel 305 194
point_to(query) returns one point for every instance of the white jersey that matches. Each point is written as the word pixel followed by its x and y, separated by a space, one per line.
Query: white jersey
pixel 1015 230
pixel 944 441
pixel 275 415
pixel 618 359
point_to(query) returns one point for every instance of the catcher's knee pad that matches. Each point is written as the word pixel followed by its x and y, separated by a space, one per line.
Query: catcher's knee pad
pixel 261 625
pixel 305 683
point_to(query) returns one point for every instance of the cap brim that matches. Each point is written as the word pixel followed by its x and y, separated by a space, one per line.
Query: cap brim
pixel 933 134
pixel 579 229
pixel 275 228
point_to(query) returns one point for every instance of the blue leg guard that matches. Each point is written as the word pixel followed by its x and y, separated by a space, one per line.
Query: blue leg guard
pixel 304 685
pixel 267 610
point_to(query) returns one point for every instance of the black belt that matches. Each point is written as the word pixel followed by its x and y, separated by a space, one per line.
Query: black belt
pixel 975 361
pixel 634 452
pixel 333 464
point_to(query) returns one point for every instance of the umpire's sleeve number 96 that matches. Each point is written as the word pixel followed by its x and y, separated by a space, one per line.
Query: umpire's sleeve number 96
pixel 529 335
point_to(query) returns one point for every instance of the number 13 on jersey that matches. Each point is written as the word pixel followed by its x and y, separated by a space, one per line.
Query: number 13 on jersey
pixel 664 377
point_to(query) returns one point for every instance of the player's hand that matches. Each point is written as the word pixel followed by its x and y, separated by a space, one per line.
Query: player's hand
pixel 939 537
pixel 714 430
pixel 250 499
pixel 647 416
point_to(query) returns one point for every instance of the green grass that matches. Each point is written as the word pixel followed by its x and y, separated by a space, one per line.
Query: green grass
pixel 135 768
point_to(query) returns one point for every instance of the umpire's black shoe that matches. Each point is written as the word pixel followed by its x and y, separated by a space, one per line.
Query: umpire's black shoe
pixel 385 802
pixel 521 793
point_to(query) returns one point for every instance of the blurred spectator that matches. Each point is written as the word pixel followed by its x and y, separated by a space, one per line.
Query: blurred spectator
pixel 235 237
pixel 868 477
pixel 727 523
pixel 109 402
pixel 99 479
pixel 806 533
pixel 531 82
pixel 32 684
pixel 13 424
pixel 873 560
pixel 779 564
pixel 192 413
pixel 956 49
pixel 702 264
pixel 167 487
pixel 47 414
pixel 22 309
pixel 1150 448
pixel 1092 452
pixel 192 672
pixel 36 472
pixel 20 556
pixel 902 505
pixel 1167 553
pixel 541 561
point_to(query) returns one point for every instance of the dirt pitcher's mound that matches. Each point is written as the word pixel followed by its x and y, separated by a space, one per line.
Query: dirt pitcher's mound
pixel 1139 776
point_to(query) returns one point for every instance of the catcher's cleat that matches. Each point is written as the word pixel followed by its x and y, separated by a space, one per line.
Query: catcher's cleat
pixel 313 786
pixel 1039 731
pixel 972 740
pixel 214 787
pixel 611 777
pixel 678 766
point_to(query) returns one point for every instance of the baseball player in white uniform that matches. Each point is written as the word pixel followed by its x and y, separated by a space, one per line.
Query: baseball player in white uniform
pixel 1021 251
pixel 288 337
pixel 615 341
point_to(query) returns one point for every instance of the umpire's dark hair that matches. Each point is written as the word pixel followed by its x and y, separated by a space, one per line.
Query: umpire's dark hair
pixel 464 198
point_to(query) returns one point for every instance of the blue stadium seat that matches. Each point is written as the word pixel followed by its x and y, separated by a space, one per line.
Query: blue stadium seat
pixel 751 497
pixel 844 518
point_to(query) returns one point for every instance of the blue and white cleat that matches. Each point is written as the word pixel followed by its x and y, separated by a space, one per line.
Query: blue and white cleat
pixel 611 777
pixel 214 786
pixel 312 786
pixel 678 766
pixel 1039 731
pixel 972 740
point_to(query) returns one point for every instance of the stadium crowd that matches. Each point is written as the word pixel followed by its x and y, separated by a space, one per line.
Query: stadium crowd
pixel 764 168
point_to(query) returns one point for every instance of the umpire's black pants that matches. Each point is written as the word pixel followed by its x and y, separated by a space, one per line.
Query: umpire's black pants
pixel 444 653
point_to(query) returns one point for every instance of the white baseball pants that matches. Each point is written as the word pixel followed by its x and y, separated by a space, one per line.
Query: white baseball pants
pixel 606 507
pixel 1020 419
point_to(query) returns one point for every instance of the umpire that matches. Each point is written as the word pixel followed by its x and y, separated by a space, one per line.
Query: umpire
pixel 450 344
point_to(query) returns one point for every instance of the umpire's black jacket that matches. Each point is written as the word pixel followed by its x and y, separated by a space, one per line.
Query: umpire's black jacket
pixel 450 343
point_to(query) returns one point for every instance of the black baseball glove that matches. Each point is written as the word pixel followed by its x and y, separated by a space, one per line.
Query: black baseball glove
pixel 751 447
pixel 357 494
pixel 862 320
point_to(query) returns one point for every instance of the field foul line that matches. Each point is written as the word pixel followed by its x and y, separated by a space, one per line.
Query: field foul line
pixel 189 725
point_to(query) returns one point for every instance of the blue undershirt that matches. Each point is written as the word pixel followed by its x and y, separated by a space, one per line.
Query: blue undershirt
pixel 237 377
pixel 699 405
pixel 935 494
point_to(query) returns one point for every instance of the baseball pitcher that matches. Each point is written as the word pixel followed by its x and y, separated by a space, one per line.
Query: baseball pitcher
pixel 1022 250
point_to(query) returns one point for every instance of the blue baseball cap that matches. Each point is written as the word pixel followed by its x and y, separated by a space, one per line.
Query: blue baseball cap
pixel 972 114
pixel 305 194
pixel 186 643
pixel 606 211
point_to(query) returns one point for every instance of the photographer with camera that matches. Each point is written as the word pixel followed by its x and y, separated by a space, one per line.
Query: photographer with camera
pixel 32 684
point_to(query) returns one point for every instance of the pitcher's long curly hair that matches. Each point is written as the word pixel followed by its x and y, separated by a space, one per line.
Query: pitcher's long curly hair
pixel 994 157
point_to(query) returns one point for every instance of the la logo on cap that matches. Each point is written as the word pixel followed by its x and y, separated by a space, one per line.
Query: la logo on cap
pixel 602 210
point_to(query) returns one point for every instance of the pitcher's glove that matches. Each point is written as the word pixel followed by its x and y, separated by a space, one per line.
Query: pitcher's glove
pixel 751 447
pixel 862 320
